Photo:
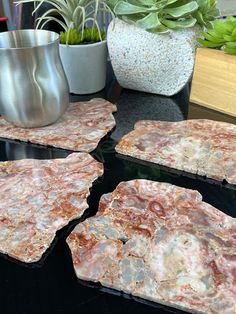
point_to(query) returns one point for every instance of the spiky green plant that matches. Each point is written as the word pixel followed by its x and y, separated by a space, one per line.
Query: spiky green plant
pixel 70 14
pixel 162 15
pixel 206 12
pixel 221 35
pixel 89 35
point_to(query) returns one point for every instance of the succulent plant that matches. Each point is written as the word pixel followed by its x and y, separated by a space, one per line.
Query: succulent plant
pixel 89 35
pixel 162 15
pixel 207 12
pixel 222 35
pixel 70 14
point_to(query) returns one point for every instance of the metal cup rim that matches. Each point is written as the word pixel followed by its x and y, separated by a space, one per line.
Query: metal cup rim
pixel 51 41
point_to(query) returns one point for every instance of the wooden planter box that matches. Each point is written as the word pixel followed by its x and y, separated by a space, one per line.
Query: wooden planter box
pixel 214 81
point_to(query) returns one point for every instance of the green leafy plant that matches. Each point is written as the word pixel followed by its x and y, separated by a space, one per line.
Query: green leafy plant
pixel 89 35
pixel 206 12
pixel 221 35
pixel 162 15
pixel 71 15
pixel 73 37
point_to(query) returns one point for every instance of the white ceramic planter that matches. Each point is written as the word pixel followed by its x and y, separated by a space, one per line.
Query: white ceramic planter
pixel 154 63
pixel 85 66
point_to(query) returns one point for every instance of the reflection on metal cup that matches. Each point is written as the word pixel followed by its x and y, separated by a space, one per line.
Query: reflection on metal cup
pixel 33 87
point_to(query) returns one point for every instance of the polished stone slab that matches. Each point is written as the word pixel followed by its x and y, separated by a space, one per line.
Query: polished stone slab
pixel 39 197
pixel 81 128
pixel 160 242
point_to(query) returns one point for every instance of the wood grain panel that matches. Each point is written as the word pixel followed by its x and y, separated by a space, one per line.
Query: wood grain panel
pixel 214 81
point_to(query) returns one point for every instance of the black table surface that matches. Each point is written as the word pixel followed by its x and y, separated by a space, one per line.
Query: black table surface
pixel 51 286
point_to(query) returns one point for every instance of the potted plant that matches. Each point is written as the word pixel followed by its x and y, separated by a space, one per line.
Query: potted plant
pixel 221 35
pixel 83 48
pixel 152 42
pixel 214 77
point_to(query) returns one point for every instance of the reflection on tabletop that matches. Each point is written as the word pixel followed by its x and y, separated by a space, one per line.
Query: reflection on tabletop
pixel 53 287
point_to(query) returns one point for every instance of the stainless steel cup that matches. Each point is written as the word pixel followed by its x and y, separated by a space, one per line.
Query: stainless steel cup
pixel 33 87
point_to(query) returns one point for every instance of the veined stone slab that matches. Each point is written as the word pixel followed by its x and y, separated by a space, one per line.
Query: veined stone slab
pixel 160 242
pixel 203 147
pixel 81 127
pixel 39 197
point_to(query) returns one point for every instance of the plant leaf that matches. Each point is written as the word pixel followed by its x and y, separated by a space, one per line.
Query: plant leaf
pixel 160 29
pixel 47 19
pixel 189 22
pixel 123 8
pixel 130 19
pixel 149 21
pixel 213 39
pixel 146 2
pixel 231 45
pixel 230 38
pixel 229 50
pixel 182 10
pixel 208 44
pixel 214 33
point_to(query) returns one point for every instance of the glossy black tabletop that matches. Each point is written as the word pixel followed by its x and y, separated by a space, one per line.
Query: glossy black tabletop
pixel 51 287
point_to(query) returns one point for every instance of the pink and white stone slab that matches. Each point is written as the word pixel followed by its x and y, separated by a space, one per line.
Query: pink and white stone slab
pixel 199 146
pixel 81 128
pixel 39 197
pixel 160 242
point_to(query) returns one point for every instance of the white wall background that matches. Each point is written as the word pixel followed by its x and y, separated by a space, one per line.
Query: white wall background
pixel 227 7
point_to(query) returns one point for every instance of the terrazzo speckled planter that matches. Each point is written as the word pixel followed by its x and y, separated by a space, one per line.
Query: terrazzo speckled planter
pixel 154 63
